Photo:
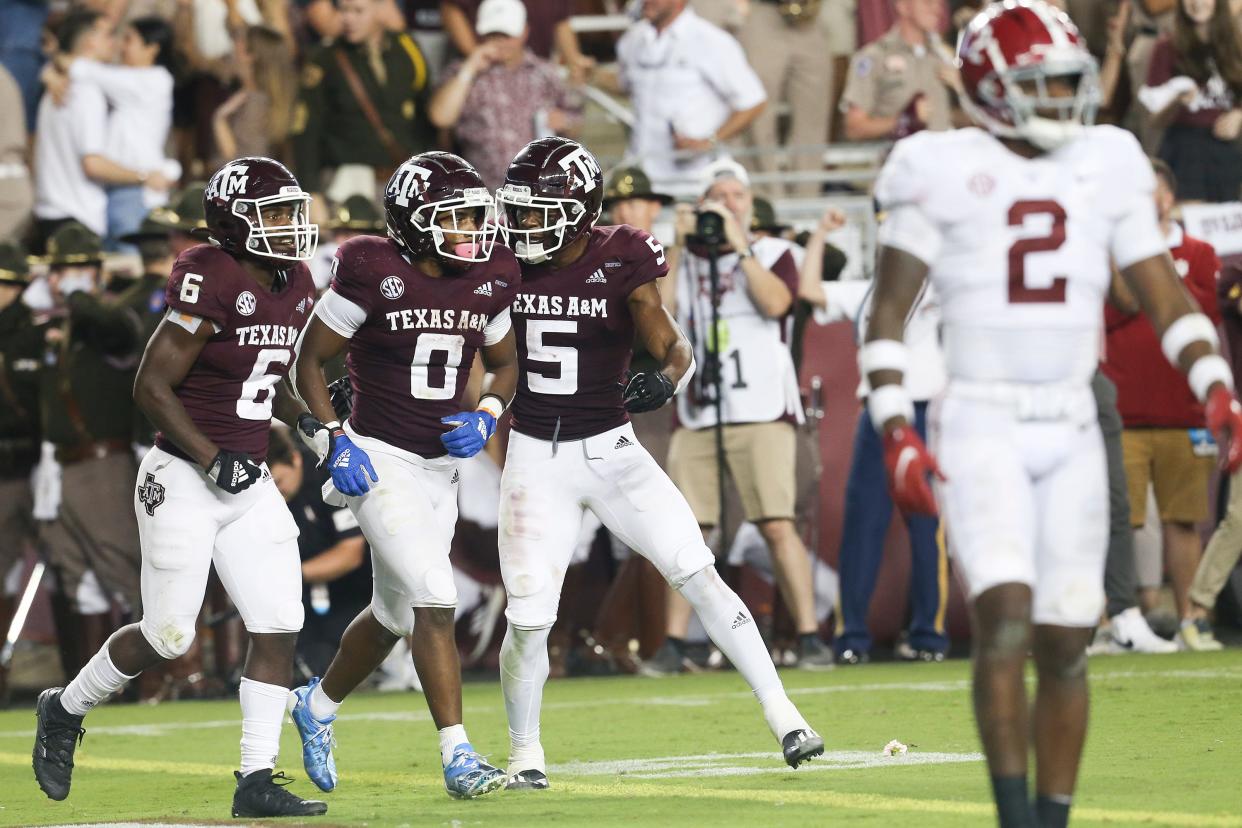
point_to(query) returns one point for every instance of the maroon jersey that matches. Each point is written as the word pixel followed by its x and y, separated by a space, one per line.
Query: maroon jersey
pixel 575 335
pixel 229 389
pixel 414 337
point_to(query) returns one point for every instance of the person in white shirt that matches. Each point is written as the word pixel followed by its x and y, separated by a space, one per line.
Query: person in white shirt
pixel 75 146
pixel 139 94
pixel 692 89
pixel 868 506
pixel 759 400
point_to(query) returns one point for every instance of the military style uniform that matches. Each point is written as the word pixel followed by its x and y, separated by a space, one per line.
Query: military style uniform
pixel 885 76
pixel 19 417
pixel 88 360
pixel 330 124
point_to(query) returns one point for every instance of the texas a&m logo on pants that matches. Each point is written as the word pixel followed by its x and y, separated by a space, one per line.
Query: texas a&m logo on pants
pixel 151 494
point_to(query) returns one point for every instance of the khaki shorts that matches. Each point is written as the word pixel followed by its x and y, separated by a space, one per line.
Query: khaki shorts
pixel 760 460
pixel 17 527
pixel 1165 458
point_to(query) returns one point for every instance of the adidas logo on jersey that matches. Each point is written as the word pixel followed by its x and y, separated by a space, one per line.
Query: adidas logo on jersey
pixel 304 304
pixel 456 478
pixel 623 442
pixel 484 289
pixel 597 278
pixel 741 621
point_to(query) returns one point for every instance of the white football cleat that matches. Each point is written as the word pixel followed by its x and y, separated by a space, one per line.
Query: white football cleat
pixel 1130 633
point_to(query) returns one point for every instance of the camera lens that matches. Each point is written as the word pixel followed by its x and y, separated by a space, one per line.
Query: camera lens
pixel 709 227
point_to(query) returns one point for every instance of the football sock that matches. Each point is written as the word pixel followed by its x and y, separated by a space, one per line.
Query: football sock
pixel 99 679
pixel 733 630
pixel 1052 810
pixel 1013 802
pixel 321 705
pixel 806 640
pixel 678 644
pixel 263 712
pixel 523 672
pixel 450 738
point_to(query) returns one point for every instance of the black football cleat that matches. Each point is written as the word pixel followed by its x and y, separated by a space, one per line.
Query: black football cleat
pixel 57 735
pixel 527 780
pixel 800 746
pixel 263 794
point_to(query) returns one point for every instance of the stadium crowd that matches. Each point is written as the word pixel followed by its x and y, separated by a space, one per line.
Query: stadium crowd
pixel 114 110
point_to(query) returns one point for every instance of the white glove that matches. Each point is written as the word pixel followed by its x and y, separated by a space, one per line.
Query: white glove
pixel 46 481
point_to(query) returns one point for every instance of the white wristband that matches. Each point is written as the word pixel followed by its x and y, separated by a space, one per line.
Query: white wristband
pixel 492 404
pixel 883 355
pixel 889 401
pixel 1192 327
pixel 1207 371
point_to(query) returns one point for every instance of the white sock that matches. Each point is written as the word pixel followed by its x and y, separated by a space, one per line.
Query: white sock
pixel 321 706
pixel 733 630
pixel 98 680
pixel 523 672
pixel 450 738
pixel 263 712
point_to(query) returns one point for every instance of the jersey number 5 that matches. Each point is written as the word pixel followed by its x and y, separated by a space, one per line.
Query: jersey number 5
pixel 1019 290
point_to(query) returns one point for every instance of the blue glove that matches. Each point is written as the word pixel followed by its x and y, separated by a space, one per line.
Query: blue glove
pixel 350 466
pixel 474 429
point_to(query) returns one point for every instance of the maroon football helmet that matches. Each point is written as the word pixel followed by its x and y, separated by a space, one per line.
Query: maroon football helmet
pixel 435 193
pixel 239 202
pixel 1023 43
pixel 560 182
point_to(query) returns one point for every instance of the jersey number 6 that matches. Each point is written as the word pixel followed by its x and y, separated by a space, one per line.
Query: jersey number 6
pixel 1019 291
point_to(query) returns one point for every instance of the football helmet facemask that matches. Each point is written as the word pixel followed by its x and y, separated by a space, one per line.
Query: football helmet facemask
pixel 437 205
pixel 552 196
pixel 254 208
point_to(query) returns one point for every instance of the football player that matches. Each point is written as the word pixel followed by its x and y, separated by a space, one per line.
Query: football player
pixel 586 292
pixel 1015 224
pixel 412 310
pixel 208 381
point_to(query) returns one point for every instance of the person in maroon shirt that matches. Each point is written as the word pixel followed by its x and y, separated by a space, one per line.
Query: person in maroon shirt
pixel 1194 88
pixel 587 293
pixel 209 383
pixel 412 310
pixel 1164 441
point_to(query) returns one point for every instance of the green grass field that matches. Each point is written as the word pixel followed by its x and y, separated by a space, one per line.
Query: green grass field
pixel 1165 748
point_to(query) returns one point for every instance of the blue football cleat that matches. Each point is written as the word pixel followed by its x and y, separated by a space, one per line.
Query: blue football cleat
pixel 468 775
pixel 317 741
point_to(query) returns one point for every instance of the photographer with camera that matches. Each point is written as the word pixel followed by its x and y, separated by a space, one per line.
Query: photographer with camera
pixel 733 295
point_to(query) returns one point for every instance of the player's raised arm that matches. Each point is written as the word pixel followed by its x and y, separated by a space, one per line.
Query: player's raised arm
pixel 1190 342
pixel 174 346
pixel 665 341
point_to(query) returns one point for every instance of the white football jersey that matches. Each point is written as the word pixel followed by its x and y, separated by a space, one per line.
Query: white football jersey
pixel 1019 248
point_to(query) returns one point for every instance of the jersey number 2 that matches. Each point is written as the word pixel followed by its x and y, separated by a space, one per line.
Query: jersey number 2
pixel 1019 290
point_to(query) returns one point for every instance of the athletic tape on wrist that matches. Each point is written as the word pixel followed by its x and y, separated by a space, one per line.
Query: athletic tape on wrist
pixel 1207 371
pixel 883 355
pixel 889 401
pixel 1193 327
pixel 492 404
pixel 685 378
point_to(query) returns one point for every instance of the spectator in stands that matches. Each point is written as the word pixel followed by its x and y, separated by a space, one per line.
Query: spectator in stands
pixel 799 71
pixel 255 120
pixel 868 505
pixel 759 400
pixel 324 18
pixel 900 84
pixel 16 195
pixel 1194 87
pixel 502 97
pixel 21 49
pixel 183 216
pixel 629 199
pixel 550 32
pixel 70 139
pixel 360 112
pixel 1158 408
pixel 1225 547
pixel 336 572
pixel 19 425
pixel 139 96
pixel 691 88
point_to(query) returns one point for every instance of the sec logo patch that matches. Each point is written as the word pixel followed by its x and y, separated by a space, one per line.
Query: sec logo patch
pixel 245 303
pixel 392 287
